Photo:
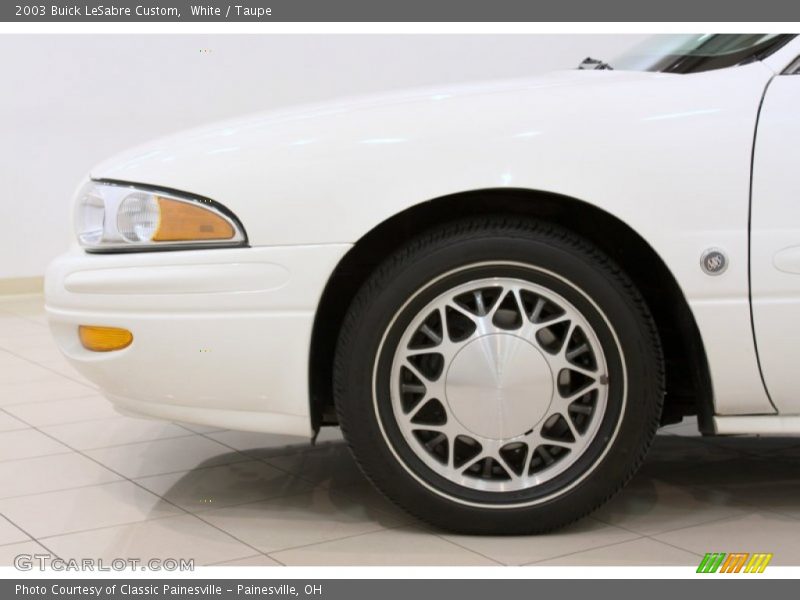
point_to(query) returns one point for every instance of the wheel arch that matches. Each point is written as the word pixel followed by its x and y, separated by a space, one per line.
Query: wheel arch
pixel 689 388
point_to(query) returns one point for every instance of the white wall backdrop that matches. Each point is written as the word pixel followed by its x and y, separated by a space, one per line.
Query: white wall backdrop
pixel 68 101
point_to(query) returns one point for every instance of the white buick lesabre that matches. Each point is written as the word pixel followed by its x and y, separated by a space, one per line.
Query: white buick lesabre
pixel 498 291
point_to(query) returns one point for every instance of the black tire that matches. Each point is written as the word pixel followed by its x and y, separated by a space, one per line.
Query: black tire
pixel 543 254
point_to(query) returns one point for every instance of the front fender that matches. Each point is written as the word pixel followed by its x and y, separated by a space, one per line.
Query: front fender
pixel 669 155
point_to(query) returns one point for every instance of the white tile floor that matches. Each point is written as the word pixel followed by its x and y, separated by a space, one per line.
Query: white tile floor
pixel 77 479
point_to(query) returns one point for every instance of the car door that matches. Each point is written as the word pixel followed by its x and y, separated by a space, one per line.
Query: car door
pixel 775 240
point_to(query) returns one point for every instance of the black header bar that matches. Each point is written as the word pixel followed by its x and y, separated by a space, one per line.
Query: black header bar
pixel 400 11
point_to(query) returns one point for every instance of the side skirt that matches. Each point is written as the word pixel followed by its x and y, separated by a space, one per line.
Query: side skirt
pixel 758 425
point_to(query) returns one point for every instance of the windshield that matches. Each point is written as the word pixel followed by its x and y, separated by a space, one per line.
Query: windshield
pixel 693 53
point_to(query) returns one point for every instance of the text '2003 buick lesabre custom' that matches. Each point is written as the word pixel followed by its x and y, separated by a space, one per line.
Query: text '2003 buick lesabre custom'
pixel 498 291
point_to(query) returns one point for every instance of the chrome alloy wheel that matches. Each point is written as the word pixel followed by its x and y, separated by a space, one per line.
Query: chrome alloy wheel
pixel 499 384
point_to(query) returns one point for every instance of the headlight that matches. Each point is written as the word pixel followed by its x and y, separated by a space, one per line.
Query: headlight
pixel 116 216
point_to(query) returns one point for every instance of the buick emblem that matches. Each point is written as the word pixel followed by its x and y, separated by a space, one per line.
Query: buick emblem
pixel 714 261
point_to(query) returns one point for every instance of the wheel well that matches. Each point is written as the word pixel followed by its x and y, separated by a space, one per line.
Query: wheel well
pixel 688 380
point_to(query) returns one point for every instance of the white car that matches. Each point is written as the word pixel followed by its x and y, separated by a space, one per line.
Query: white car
pixel 499 291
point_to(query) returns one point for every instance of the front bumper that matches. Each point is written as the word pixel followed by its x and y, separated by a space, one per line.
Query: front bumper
pixel 220 337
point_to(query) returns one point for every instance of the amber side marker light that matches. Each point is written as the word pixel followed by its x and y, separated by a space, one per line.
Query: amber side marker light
pixel 104 339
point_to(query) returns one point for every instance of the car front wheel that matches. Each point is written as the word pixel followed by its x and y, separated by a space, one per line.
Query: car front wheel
pixel 498 376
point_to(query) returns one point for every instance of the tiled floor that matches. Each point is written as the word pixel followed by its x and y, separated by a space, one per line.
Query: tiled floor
pixel 77 479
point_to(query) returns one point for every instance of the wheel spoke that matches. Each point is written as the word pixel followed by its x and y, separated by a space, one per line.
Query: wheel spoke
pixel 515 291
pixel 417 373
pixel 496 306
pixel 414 411
pixel 444 345
pixel 570 332
pixel 562 365
pixel 557 321
pixel 456 306
pixel 472 462
pixel 490 449
pixel 567 400
pixel 575 433
pixel 512 473
pixel 532 441
pixel 527 330
pixel 449 428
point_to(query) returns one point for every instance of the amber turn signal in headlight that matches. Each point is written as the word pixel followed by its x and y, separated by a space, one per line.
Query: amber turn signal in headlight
pixel 181 221
pixel 104 339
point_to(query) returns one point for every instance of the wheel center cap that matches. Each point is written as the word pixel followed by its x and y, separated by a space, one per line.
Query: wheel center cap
pixel 499 386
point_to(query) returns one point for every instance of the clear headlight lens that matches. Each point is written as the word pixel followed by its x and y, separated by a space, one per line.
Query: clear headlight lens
pixel 113 216
pixel 91 217
pixel 138 217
